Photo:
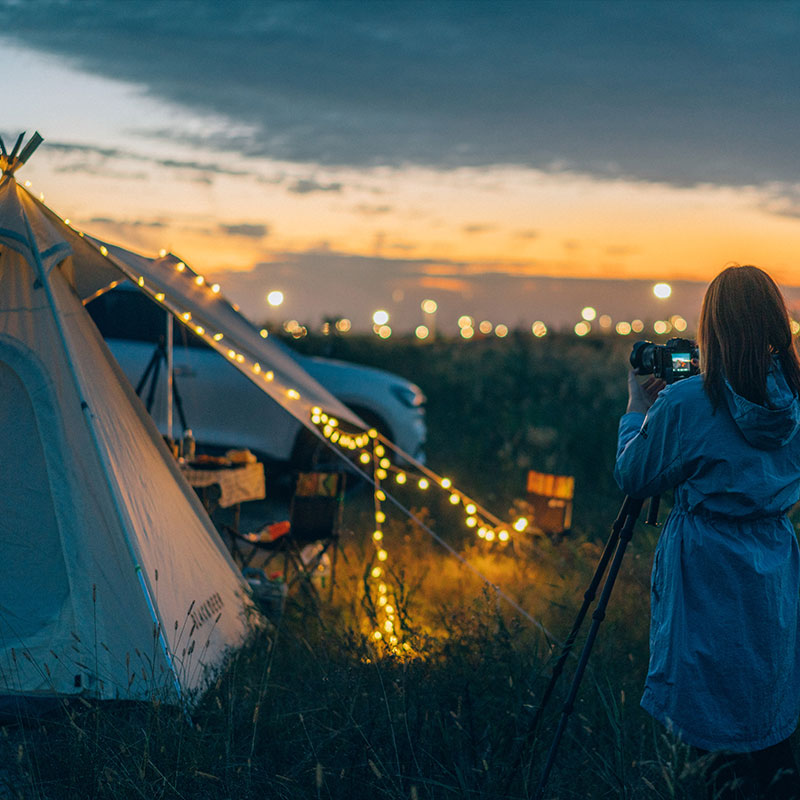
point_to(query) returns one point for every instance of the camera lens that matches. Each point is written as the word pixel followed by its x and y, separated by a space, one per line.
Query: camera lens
pixel 643 357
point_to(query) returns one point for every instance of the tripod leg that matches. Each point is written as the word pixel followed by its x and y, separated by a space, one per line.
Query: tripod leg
pixel 588 599
pixel 147 370
pixel 176 396
pixel 599 615
pixel 151 394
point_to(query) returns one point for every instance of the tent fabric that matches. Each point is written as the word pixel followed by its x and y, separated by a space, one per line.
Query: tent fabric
pixel 113 581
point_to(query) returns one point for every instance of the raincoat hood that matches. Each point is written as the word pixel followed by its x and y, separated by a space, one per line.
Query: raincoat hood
pixel 767 428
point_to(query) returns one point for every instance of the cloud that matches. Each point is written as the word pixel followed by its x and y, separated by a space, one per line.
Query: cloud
pixel 94 158
pixel 368 210
pixel 621 250
pixel 309 185
pixel 135 223
pixel 783 200
pixel 245 229
pixel 666 90
pixel 478 228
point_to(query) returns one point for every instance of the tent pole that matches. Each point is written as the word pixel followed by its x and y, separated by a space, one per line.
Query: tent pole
pixel 169 374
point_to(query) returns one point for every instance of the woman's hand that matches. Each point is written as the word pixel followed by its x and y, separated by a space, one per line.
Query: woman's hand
pixel 642 395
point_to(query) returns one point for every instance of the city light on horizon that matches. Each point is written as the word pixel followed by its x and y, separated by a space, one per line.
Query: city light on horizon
pixel 662 290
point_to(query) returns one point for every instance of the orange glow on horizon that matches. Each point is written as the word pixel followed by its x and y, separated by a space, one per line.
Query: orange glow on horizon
pixel 453 226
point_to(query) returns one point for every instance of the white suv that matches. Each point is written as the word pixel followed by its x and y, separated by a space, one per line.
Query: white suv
pixel 224 409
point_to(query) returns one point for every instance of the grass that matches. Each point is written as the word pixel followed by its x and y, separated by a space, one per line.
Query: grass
pixel 311 708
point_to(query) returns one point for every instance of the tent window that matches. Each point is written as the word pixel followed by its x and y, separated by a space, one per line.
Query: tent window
pixel 130 314
pixel 33 580
pixel 127 315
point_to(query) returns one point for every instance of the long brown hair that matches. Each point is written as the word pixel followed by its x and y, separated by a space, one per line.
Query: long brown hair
pixel 743 323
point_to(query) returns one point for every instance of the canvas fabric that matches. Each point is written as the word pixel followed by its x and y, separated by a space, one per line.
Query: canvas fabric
pixel 113 581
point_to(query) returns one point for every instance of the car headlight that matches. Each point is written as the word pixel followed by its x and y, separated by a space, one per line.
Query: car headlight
pixel 408 394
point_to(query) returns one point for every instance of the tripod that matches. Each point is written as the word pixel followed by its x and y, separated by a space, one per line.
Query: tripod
pixel 621 533
pixel 150 374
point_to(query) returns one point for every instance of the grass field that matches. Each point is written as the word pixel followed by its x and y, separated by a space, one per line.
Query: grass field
pixel 314 708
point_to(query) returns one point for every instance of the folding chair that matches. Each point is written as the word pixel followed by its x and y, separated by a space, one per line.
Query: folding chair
pixel 309 542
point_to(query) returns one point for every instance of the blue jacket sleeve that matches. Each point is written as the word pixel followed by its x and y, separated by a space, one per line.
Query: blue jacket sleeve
pixel 649 450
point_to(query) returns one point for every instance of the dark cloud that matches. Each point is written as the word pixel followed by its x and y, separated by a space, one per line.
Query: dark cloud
pixel 664 90
pixel 245 229
pixel 309 185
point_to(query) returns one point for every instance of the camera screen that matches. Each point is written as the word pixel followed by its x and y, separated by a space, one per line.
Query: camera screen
pixel 681 362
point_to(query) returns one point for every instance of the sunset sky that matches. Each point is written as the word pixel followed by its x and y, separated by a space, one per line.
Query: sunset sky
pixel 365 155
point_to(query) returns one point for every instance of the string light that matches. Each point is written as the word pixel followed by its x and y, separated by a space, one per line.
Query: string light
pixel 370 450
pixel 387 628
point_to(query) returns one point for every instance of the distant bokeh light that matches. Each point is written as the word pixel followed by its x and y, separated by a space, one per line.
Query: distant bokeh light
pixel 637 326
pixel 678 322
pixel 421 332
pixel 343 325
pixel 623 328
pixel 467 331
pixel 582 328
pixel 465 321
pixel 380 317
pixel 501 330
pixel 588 313
pixel 429 306
pixel 384 331
pixel 662 290
pixel 275 298
pixel 605 321
pixel 485 327
pixel 539 329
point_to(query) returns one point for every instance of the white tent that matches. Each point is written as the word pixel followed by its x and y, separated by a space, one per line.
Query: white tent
pixel 113 581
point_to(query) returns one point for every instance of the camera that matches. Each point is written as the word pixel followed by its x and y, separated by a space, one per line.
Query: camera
pixel 671 361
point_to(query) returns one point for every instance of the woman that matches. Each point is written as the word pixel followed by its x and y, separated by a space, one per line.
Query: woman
pixel 724 669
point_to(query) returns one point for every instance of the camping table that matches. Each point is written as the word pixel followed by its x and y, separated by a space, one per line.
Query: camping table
pixel 236 484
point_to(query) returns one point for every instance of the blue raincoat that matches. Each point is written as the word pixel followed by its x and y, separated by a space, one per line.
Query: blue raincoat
pixel 724 669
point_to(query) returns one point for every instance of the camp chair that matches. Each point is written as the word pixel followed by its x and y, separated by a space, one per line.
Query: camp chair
pixel 309 541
